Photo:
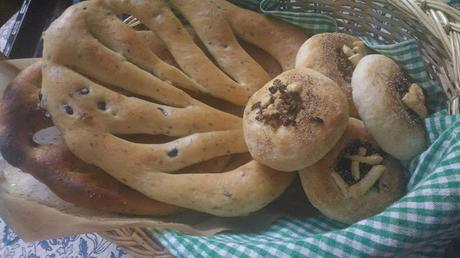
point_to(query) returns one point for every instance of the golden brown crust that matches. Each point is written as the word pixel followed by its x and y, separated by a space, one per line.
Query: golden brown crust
pixel 213 29
pixel 266 61
pixel 327 196
pixel 80 89
pixel 157 46
pixel 295 119
pixel 323 53
pixel 278 38
pixel 54 165
pixel 219 164
pixel 104 40
pixel 269 63
pixel 67 176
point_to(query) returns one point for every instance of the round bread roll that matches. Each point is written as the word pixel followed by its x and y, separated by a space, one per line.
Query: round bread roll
pixel 295 119
pixel 355 180
pixel 391 107
pixel 334 55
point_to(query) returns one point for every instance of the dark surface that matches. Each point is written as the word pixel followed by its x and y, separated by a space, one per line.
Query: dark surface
pixel 33 18
pixel 453 250
pixel 7 9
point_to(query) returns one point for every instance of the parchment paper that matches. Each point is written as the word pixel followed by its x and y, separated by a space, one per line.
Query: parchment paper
pixel 35 213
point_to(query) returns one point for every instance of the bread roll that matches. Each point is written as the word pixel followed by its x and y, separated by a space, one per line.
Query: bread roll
pixel 295 119
pixel 355 180
pixel 334 55
pixel 391 107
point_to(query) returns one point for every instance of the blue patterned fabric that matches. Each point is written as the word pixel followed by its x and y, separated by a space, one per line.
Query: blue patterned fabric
pixel 89 245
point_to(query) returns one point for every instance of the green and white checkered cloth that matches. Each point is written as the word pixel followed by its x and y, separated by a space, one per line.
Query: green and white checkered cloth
pixel 421 224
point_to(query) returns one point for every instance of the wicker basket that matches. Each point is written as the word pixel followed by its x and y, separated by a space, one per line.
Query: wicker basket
pixel 432 22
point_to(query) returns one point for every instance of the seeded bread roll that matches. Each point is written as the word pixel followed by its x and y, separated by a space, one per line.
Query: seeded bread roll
pixel 391 107
pixel 325 53
pixel 355 180
pixel 295 119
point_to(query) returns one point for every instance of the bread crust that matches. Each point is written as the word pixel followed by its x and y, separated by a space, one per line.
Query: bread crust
pixel 323 53
pixel 397 130
pixel 295 129
pixel 104 39
pixel 326 195
pixel 54 165
pixel 109 56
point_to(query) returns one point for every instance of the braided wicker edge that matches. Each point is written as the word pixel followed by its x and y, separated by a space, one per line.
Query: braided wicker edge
pixel 443 22
pixel 440 27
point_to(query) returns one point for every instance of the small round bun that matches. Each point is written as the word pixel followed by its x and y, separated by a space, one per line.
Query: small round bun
pixel 379 87
pixel 295 119
pixel 324 53
pixel 333 187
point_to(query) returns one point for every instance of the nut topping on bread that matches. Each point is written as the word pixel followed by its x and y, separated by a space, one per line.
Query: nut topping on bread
pixel 342 196
pixel 356 53
pixel 390 106
pixel 415 100
pixel 295 119
pixel 335 55
pixel 352 177
pixel 281 106
pixel 363 186
pixel 371 160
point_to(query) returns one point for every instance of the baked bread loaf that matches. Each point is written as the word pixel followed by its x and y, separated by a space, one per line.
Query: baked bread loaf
pixel 264 59
pixel 391 106
pixel 111 84
pixel 80 183
pixel 52 163
pixel 120 52
pixel 295 119
pixel 355 179
pixel 268 63
pixel 334 55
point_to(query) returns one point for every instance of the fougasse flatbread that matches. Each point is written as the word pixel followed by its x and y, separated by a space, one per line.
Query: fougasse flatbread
pixel 105 86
